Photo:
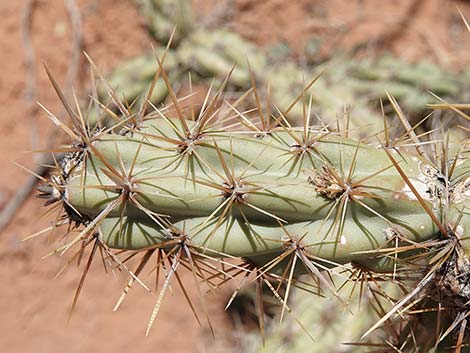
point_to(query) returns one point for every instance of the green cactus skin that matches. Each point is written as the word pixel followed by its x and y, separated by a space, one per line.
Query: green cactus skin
pixel 161 17
pixel 278 192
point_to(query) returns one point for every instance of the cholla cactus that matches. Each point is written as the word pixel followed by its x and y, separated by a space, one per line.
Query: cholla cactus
pixel 195 188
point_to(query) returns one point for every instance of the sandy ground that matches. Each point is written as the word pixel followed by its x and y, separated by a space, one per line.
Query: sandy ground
pixel 34 307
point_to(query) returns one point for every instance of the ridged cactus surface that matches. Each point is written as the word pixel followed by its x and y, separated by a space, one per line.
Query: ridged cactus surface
pixel 242 195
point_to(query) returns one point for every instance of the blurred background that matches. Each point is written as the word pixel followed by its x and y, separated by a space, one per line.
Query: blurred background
pixel 407 47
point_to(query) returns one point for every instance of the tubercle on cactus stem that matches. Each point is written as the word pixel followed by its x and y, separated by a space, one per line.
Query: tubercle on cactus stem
pixel 287 200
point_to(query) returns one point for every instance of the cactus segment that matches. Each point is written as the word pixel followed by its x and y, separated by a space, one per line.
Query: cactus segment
pixel 241 195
